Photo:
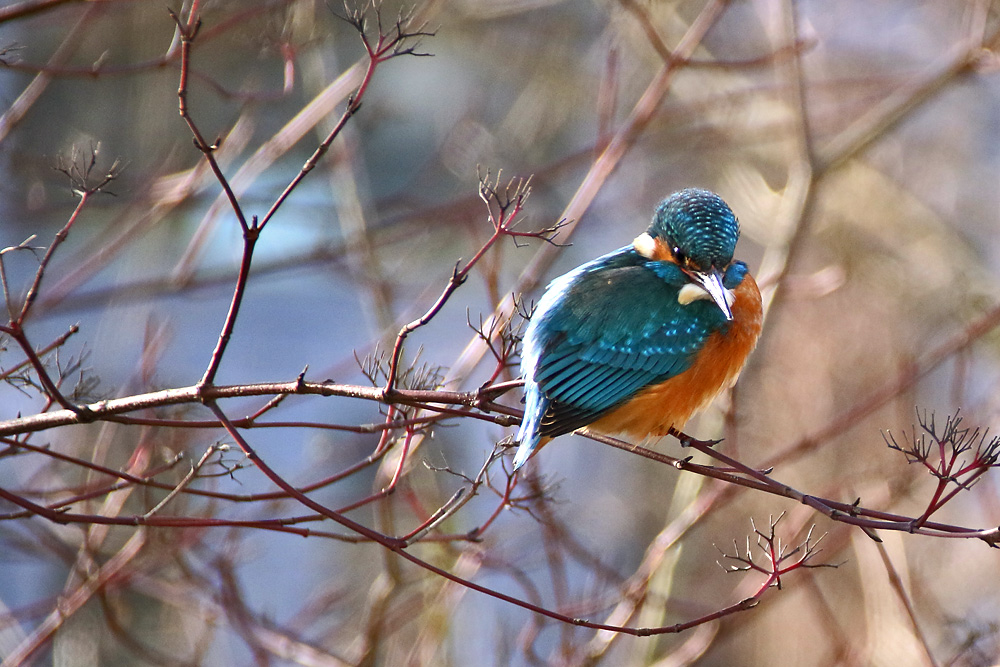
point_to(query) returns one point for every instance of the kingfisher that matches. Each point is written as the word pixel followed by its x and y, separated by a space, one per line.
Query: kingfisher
pixel 637 341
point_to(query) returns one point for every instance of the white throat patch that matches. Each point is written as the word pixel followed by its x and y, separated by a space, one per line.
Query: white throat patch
pixel 691 292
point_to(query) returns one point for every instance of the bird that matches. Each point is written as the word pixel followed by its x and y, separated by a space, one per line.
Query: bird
pixel 638 340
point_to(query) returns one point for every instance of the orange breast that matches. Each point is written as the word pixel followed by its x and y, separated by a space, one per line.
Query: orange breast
pixel 657 409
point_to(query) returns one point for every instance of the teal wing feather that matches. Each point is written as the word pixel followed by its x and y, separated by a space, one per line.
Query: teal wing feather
pixel 606 331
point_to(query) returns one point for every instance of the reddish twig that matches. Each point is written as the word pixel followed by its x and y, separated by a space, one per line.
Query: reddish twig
pixel 777 559
pixel 385 46
pixel 957 457
pixel 509 203
pixel 79 174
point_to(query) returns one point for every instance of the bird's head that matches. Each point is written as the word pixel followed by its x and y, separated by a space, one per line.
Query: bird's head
pixel 697 231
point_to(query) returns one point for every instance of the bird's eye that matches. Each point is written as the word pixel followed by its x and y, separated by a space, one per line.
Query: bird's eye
pixel 679 255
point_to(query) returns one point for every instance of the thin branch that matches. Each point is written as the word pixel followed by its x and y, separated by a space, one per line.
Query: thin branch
pixel 509 203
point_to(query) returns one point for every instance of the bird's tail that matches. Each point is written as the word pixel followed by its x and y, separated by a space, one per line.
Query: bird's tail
pixel 528 437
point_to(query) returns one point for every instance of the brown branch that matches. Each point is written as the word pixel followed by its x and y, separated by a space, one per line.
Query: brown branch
pixel 54 345
pixel 510 202
pixel 188 32
pixel 426 399
pixel 27 8
pixel 904 599
pixel 276 479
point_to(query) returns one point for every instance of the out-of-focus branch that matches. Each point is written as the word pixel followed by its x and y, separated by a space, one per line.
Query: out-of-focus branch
pixel 74 601
pixel 33 91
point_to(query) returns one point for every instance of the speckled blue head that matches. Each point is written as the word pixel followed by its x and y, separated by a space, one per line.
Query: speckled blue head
pixel 698 224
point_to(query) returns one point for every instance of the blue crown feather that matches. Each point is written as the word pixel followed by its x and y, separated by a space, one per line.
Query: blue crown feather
pixel 700 224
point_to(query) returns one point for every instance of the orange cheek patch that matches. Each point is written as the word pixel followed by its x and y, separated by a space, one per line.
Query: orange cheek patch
pixel 651 248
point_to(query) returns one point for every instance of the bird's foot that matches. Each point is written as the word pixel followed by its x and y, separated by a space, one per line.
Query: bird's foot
pixel 687 441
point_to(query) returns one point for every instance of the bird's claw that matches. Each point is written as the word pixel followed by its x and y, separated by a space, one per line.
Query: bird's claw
pixel 687 441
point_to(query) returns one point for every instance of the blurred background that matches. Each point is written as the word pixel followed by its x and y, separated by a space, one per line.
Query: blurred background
pixel 857 143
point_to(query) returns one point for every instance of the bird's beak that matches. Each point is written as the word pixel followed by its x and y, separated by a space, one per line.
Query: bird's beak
pixel 711 282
